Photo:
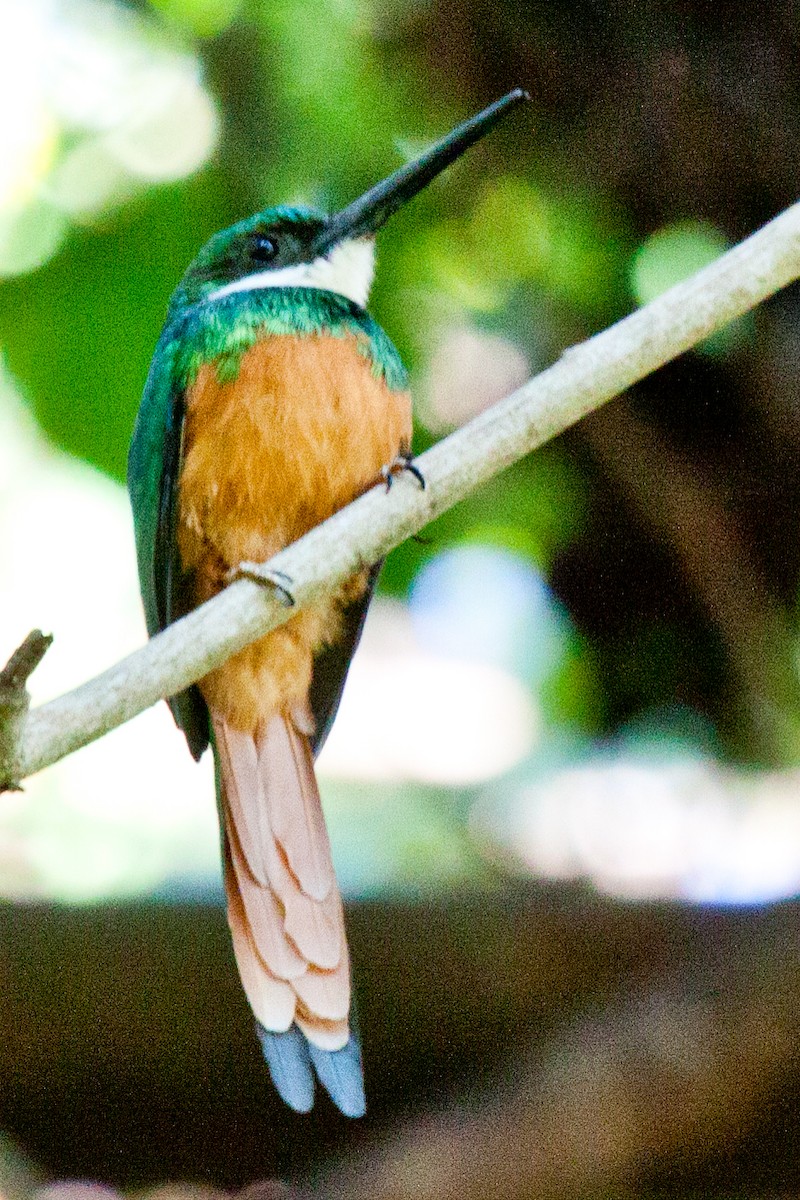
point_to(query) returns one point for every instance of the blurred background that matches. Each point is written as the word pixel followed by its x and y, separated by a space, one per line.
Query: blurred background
pixel 564 787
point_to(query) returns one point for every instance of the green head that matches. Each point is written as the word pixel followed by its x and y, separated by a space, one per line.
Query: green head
pixel 299 247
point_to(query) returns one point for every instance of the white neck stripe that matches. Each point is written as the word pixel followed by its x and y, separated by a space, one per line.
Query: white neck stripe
pixel 347 270
pixel 285 277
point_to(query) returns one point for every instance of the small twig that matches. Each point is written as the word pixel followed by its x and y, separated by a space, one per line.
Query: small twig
pixel 14 702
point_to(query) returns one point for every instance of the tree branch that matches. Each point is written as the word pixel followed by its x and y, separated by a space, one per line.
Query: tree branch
pixel 583 378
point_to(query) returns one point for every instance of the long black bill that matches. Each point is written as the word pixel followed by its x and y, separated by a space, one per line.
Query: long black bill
pixel 371 210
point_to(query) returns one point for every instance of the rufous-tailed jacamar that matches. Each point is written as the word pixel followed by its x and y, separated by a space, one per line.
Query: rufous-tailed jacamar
pixel 273 400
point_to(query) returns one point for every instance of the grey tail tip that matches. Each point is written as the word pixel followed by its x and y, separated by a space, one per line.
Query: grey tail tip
pixel 293 1063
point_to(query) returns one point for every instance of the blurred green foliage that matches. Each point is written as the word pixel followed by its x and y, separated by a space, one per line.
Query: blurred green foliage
pixel 202 18
pixel 94 312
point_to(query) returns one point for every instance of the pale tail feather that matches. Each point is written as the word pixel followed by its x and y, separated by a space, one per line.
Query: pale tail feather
pixel 237 762
pixel 272 1000
pixel 285 913
pixel 264 916
pixel 328 1035
pixel 284 755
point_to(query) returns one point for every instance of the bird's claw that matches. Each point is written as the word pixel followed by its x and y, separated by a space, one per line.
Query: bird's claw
pixel 279 581
pixel 403 462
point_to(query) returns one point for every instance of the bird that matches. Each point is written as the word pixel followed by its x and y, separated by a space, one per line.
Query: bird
pixel 273 399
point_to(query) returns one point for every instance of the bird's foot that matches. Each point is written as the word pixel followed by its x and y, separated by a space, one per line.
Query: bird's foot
pixel 403 462
pixel 278 581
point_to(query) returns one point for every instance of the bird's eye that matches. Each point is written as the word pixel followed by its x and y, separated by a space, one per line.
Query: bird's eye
pixel 264 248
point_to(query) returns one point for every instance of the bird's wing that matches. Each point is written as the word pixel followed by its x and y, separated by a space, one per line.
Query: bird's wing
pixel 153 468
pixel 332 664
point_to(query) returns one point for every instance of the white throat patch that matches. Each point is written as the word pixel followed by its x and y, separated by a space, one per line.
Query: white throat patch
pixel 347 269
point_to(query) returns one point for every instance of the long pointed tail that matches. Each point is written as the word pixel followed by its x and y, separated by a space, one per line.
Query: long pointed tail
pixel 285 913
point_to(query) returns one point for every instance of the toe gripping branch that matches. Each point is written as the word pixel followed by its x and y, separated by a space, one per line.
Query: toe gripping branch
pixel 278 581
pixel 403 462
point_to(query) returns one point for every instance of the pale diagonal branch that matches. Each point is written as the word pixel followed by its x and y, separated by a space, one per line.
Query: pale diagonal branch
pixel 583 378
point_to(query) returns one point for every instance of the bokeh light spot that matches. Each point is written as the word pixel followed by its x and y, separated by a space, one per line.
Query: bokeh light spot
pixel 409 713
pixel 204 18
pixel 29 236
pixel 488 604
pixel 672 254
pixel 468 372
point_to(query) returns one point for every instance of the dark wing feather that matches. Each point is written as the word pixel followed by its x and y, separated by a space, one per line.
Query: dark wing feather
pixel 332 664
pixel 154 466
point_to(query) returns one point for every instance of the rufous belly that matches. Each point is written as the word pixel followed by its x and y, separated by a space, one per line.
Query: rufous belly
pixel 303 429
